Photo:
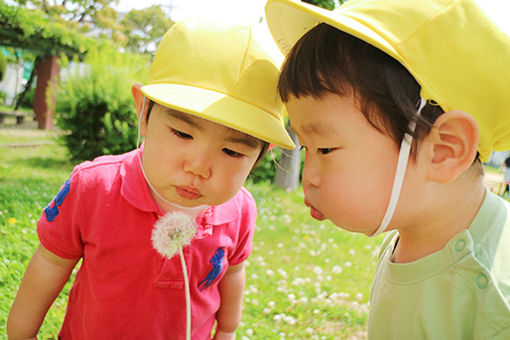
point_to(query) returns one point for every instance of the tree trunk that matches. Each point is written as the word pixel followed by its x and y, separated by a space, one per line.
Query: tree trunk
pixel 287 174
pixel 20 98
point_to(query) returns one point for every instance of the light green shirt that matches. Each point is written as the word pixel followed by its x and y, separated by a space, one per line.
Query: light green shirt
pixel 459 292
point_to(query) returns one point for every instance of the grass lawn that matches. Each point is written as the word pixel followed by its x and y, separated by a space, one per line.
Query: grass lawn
pixel 305 279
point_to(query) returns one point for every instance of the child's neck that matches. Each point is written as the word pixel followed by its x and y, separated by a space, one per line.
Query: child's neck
pixel 449 212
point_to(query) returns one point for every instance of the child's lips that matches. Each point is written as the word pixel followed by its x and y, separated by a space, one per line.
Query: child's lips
pixel 315 213
pixel 188 192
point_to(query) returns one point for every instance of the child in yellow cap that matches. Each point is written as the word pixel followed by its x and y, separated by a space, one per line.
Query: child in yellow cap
pixel 163 231
pixel 396 103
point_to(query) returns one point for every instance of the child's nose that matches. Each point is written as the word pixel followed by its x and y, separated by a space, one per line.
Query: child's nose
pixel 198 164
pixel 311 175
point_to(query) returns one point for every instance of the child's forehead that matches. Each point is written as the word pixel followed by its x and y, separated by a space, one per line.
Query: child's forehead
pixel 316 127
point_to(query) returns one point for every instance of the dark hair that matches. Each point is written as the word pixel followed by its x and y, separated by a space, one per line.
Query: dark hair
pixel 327 60
pixel 263 151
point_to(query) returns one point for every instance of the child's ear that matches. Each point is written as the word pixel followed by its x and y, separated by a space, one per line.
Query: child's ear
pixel 453 141
pixel 138 97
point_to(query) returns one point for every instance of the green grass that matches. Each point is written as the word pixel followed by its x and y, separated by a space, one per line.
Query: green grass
pixel 305 279
pixel 29 178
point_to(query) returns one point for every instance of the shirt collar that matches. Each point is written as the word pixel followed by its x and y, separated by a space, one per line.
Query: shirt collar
pixel 134 188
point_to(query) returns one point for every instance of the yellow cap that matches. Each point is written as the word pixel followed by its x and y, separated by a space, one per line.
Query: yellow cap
pixel 220 71
pixel 459 56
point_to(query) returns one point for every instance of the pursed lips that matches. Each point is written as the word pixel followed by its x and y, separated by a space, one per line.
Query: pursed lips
pixel 314 212
pixel 188 192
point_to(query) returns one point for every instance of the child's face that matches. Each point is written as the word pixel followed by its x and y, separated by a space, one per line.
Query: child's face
pixel 192 161
pixel 349 165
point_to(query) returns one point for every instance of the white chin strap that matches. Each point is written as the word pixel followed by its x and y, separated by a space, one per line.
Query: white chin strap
pixel 403 157
pixel 192 211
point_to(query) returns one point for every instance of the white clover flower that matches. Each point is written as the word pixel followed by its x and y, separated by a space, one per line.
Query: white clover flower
pixel 337 269
pixel 271 304
pixel 298 281
pixel 249 332
pixel 283 273
pixel 290 320
pixel 172 232
pixel 348 264
pixel 317 270
pixel 266 311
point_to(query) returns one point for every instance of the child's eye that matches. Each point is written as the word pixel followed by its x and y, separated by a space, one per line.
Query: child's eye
pixel 325 151
pixel 181 134
pixel 232 153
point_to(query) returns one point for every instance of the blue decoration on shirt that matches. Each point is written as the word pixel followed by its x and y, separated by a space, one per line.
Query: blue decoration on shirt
pixel 52 212
pixel 217 263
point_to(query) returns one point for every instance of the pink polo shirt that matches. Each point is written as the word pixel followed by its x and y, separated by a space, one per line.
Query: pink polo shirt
pixel 124 288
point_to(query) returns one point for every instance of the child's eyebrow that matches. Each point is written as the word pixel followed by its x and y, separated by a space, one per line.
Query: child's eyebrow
pixel 241 138
pixel 316 128
pixel 182 116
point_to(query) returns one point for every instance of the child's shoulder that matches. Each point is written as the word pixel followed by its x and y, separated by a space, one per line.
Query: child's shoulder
pixel 103 168
pixel 242 200
pixel 100 162
pixel 242 205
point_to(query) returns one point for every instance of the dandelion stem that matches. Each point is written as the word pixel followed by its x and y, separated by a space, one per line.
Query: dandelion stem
pixel 188 302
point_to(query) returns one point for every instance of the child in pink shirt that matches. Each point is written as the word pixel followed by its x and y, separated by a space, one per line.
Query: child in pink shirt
pixel 208 114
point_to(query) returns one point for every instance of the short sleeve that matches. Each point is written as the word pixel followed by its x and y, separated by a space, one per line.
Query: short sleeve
pixel 246 229
pixel 59 225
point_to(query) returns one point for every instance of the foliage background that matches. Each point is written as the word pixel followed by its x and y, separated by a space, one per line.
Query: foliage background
pixel 94 104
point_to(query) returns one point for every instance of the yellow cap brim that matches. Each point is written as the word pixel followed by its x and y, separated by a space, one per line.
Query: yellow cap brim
pixel 289 21
pixel 221 108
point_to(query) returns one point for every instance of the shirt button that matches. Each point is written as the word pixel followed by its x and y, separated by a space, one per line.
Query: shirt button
pixel 459 245
pixel 482 281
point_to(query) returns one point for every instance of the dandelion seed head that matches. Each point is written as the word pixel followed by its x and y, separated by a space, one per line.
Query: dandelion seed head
pixel 172 232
